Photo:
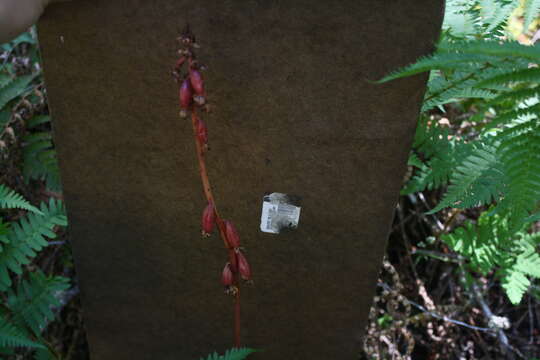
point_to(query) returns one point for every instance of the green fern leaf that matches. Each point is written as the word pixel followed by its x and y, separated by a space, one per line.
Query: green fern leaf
pixel 5 116
pixel 529 75
pixel 507 116
pixel 40 160
pixel 28 236
pixel 9 199
pixel 5 77
pixel 531 9
pixel 14 88
pixel 520 154
pixel 38 120
pixel 438 61
pixel 31 304
pixel 12 336
pixel 476 181
pixel 515 284
pixel 517 95
pixel 492 245
pixel 495 14
pixel 486 49
pixel 232 354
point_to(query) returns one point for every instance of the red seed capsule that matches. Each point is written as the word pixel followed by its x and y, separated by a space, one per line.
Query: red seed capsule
pixel 243 266
pixel 232 235
pixel 197 82
pixel 186 94
pixel 227 277
pixel 202 132
pixel 208 219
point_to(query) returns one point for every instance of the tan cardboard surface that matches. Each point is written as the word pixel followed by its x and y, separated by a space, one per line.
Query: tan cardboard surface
pixel 292 113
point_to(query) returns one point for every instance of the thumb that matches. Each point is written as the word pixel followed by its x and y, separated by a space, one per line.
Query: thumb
pixel 17 16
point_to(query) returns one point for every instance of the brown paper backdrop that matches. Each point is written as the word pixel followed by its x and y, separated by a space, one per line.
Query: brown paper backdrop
pixel 293 113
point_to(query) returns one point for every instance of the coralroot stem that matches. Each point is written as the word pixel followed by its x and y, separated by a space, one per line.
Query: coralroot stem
pixel 192 97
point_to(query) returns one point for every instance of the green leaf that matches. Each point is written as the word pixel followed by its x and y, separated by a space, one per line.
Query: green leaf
pixel 27 236
pixel 531 9
pixel 12 336
pixel 31 303
pixel 9 199
pixel 15 88
pixel 232 354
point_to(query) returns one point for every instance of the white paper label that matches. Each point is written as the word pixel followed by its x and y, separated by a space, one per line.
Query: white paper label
pixel 279 213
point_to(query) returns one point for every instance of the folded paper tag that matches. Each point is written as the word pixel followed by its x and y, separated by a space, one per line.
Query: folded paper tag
pixel 279 211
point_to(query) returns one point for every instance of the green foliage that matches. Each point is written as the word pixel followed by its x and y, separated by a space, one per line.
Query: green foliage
pixel 39 157
pixel 31 303
pixel 12 336
pixel 40 160
pixel 31 295
pixel 9 199
pixel 14 88
pixel 27 237
pixel 232 354
pixel 491 156
pixel 530 12
pixel 501 162
pixel 490 245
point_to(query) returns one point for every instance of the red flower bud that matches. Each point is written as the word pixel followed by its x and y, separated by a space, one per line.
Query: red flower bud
pixel 243 266
pixel 208 219
pixel 202 132
pixel 227 277
pixel 186 94
pixel 196 81
pixel 231 235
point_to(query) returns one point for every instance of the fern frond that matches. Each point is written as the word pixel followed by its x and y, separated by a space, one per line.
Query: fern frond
pixel 31 303
pixel 517 95
pixel 232 354
pixel 531 9
pixel 505 117
pixel 495 14
pixel 9 199
pixel 476 181
pixel 520 155
pixel 28 236
pixel 11 336
pixel 490 244
pixel 528 262
pixel 4 228
pixel 455 94
pixel 5 77
pixel 529 75
pixel 439 61
pixel 5 116
pixel 40 161
pixel 515 283
pixel 14 88
pixel 508 49
pixel 38 120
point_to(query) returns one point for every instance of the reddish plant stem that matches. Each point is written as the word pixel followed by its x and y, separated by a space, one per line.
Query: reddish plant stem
pixel 220 224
